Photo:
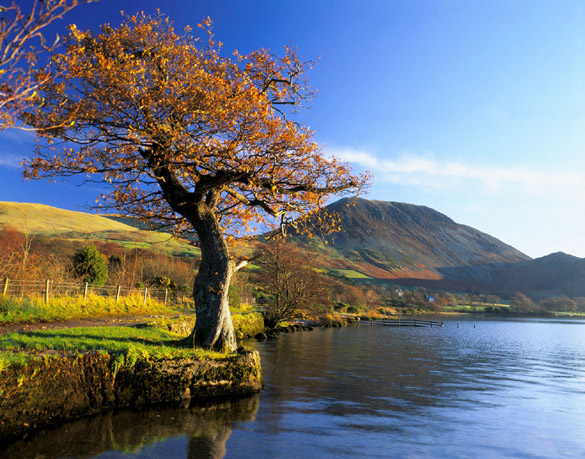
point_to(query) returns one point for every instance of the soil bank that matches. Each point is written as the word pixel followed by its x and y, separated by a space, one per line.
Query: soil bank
pixel 52 388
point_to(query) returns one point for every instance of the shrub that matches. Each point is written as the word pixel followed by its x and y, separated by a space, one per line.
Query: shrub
pixel 90 266
pixel 246 325
pixel 234 297
pixel 163 282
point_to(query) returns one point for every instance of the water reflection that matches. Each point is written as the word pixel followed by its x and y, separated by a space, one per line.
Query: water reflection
pixel 507 387
pixel 476 388
pixel 198 432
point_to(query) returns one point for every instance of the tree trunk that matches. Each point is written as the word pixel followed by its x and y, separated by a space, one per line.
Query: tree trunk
pixel 213 326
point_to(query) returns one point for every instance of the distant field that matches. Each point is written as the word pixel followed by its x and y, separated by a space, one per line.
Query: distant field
pixel 80 226
pixel 350 273
pixel 474 308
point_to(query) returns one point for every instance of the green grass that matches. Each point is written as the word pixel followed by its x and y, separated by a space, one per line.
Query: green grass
pixel 350 273
pixel 124 344
pixel 150 240
pixel 473 308
pixel 247 325
pixel 156 339
pixel 32 310
pixel 39 219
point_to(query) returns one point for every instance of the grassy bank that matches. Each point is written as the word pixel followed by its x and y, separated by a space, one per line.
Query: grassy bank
pixel 478 308
pixel 53 375
pixel 157 339
pixel 125 345
pixel 33 310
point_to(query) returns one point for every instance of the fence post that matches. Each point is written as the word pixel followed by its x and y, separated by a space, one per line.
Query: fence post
pixel 5 289
pixel 118 293
pixel 145 294
pixel 166 295
pixel 85 293
pixel 47 291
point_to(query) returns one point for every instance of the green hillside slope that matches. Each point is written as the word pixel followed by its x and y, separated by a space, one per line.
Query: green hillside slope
pixel 51 221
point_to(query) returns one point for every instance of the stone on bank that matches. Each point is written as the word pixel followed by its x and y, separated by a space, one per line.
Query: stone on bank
pixel 51 389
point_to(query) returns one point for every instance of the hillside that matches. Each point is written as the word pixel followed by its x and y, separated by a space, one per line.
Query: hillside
pixel 80 226
pixel 406 242
pixel 554 274
pixel 378 242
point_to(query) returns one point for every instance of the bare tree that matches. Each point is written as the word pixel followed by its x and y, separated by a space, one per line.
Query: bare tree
pixel 289 277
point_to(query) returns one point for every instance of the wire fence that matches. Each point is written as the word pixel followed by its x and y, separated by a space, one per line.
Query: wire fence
pixel 48 289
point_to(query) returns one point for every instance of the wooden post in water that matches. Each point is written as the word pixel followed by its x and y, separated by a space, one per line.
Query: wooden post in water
pixel 85 292
pixel 5 289
pixel 118 293
pixel 47 291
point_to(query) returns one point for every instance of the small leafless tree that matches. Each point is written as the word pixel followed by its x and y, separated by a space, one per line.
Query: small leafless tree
pixel 289 277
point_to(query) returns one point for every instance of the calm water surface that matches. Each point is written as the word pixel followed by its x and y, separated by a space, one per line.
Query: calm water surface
pixel 475 388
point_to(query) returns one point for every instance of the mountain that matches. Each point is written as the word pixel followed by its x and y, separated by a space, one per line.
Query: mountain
pixel 416 245
pixel 554 274
pixel 409 243
pixel 378 241
pixel 45 220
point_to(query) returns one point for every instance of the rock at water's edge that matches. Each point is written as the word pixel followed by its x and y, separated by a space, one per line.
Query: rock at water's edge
pixel 54 389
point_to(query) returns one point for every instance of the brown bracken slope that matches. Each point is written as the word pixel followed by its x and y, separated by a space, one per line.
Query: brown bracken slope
pixel 392 240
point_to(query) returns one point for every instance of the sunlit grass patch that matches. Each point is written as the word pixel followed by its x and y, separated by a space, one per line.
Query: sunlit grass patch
pixel 246 325
pixel 350 274
pixel 125 344
pixel 30 310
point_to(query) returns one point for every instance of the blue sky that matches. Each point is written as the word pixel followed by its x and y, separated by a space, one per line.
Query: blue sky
pixel 473 108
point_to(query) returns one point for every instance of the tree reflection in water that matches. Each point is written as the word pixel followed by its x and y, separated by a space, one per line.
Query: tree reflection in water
pixel 202 431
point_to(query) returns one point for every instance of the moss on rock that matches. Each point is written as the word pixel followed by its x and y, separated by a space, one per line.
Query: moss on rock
pixel 57 387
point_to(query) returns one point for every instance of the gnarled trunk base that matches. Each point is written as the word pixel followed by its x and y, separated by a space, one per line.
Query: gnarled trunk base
pixel 213 326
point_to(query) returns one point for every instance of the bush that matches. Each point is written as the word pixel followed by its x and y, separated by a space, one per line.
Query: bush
pixel 163 282
pixel 247 325
pixel 234 297
pixel 331 322
pixel 261 297
pixel 90 266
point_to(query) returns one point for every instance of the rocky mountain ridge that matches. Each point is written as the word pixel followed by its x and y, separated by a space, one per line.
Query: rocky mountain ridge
pixel 378 241
pixel 415 245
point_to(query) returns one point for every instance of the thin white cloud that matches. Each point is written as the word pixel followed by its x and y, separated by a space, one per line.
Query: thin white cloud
pixel 351 155
pixel 18 136
pixel 428 171
pixel 10 160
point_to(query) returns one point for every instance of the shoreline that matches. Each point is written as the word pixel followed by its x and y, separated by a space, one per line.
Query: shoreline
pixel 52 389
pixel 48 376
pixel 57 386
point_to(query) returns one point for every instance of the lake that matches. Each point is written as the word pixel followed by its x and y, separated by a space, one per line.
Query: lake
pixel 478 387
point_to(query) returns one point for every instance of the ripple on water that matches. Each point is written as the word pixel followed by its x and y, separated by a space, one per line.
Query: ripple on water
pixel 488 388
